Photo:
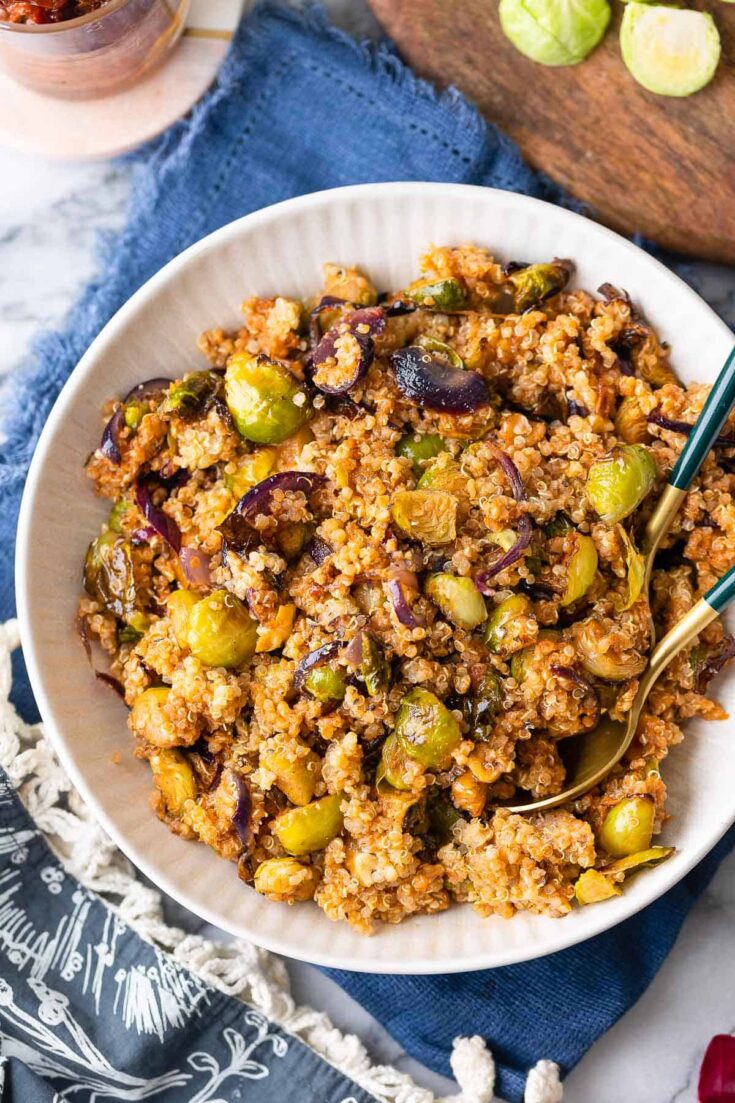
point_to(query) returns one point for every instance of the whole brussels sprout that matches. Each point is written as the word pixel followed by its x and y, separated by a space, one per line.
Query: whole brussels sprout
pixel 426 730
pixel 312 827
pixel 555 32
pixel 618 483
pixel 265 399
pixel 220 631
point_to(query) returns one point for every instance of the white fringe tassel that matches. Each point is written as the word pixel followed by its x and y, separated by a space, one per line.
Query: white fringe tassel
pixel 237 968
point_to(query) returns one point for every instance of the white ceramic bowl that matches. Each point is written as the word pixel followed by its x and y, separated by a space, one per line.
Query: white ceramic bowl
pixel 383 228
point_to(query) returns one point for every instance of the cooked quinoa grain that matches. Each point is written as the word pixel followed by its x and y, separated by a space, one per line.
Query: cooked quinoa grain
pixel 365 574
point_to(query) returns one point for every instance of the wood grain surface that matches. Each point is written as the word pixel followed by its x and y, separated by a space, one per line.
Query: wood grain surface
pixel 661 166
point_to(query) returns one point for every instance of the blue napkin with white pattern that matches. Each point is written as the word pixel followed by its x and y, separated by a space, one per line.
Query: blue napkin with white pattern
pixel 300 107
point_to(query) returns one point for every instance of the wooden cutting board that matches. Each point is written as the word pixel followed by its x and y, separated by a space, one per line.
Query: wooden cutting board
pixel 656 165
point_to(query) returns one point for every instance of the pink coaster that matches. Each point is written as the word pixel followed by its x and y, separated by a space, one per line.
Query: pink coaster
pixel 62 129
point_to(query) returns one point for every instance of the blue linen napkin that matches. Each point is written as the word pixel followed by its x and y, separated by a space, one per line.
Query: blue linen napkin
pixel 299 107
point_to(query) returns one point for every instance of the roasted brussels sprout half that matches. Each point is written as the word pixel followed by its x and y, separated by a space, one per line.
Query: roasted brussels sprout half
pixel 193 395
pixel 469 793
pixel 591 887
pixel 285 879
pixel 482 707
pixel 499 633
pixel 220 630
pixel 538 282
pixel 303 830
pixel 295 768
pixel 252 469
pixel 175 779
pixel 437 294
pixel 630 421
pixel 458 598
pixel 444 474
pixel 592 641
pixel 581 569
pixel 275 633
pixel 117 515
pixel 420 447
pixel 180 605
pixel 426 730
pixel 266 401
pixel 636 572
pixel 426 515
pixel 618 483
pixel 642 859
pixel 431 344
pixel 148 719
pixel 628 826
pixel 392 768
pixel 442 815
pixel 374 667
pixel 109 576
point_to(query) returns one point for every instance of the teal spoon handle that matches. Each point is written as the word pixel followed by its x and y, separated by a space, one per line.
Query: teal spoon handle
pixel 722 593
pixel 713 416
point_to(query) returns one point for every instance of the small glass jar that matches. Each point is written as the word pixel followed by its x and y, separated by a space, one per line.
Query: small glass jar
pixel 96 53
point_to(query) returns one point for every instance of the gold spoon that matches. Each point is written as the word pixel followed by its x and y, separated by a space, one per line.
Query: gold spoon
pixel 603 747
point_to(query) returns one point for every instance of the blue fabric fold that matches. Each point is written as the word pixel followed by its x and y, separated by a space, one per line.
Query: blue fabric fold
pixel 299 107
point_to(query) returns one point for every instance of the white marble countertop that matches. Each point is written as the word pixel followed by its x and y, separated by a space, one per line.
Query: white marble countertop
pixel 50 217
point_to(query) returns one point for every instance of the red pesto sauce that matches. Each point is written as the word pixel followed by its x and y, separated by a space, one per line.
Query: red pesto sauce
pixel 45 11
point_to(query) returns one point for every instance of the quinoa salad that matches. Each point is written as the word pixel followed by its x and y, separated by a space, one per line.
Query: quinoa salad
pixel 367 574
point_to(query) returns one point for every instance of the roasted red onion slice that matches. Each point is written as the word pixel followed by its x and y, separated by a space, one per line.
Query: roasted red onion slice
pixel 319 550
pixel 110 443
pixel 327 302
pixel 314 658
pixel 148 388
pixel 431 382
pixel 714 662
pixel 242 816
pixel 655 418
pixel 109 680
pixel 399 307
pixel 237 528
pixel 164 525
pixel 362 325
pixel 569 674
pixel 512 474
pixel 404 613
pixel 195 565
pixel 525 529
